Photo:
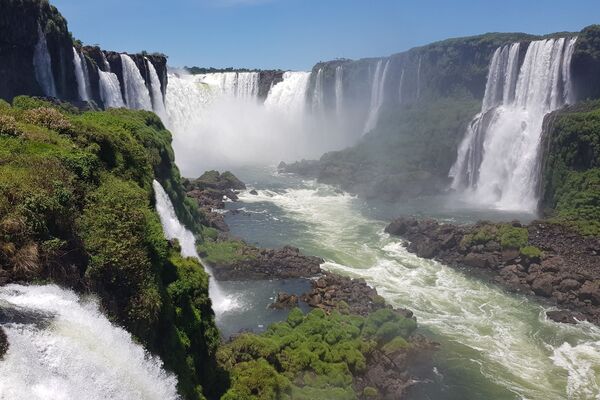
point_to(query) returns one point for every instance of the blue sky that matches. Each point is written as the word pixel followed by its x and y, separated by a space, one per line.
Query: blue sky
pixel 296 34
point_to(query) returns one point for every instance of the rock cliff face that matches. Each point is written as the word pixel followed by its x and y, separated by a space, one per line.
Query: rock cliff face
pixel 19 36
pixel 19 22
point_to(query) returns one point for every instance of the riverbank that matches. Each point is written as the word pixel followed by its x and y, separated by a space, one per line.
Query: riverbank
pixel 390 356
pixel 548 260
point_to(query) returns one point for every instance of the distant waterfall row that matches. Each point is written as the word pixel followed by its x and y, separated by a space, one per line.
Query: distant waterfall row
pixel 497 159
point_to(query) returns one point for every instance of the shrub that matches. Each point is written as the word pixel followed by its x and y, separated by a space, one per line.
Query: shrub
pixel 8 126
pixel 532 253
pixel 50 118
pixel 370 392
pixel 513 237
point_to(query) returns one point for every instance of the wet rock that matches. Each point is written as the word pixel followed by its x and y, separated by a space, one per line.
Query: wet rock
pixel 563 316
pixel 3 343
pixel 542 285
pixel 552 264
pixel 590 291
pixel 285 300
pixel 569 284
pixel 253 192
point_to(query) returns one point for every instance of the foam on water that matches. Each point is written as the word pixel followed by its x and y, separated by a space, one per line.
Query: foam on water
pixel 511 342
pixel 77 354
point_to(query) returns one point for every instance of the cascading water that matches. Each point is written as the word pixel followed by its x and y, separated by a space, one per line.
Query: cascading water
pixel 496 162
pixel 241 130
pixel 62 347
pixel 110 90
pixel 339 90
pixel 401 88
pixel 242 85
pixel 81 75
pixel 377 95
pixel 289 95
pixel 158 104
pixel 175 230
pixel 318 95
pixel 136 92
pixel 42 64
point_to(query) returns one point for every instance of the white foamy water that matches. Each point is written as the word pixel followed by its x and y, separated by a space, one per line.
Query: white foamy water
pixel 377 94
pixel 67 350
pixel 504 339
pixel 175 230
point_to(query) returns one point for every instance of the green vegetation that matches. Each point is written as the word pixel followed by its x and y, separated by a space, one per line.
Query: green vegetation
pixel 76 207
pixel 571 168
pixel 313 356
pixel 508 236
pixel 225 252
pixel 532 253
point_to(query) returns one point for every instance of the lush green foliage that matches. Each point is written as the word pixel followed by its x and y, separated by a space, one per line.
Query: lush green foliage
pixel 76 206
pixel 531 252
pixel 571 168
pixel 508 236
pixel 313 356
pixel 225 252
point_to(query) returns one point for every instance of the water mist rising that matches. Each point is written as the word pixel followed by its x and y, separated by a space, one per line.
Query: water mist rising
pixel 218 121
pixel 175 230
pixel 497 160
pixel 62 347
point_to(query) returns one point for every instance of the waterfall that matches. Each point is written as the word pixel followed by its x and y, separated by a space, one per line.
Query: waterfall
pixel 496 161
pixel 136 92
pixel 105 62
pixel 62 347
pixel 175 230
pixel 110 90
pixel 289 96
pixel 81 75
pixel 158 104
pixel 339 90
pixel 401 88
pixel 377 95
pixel 42 64
pixel 318 96
pixel 419 78
pixel 238 84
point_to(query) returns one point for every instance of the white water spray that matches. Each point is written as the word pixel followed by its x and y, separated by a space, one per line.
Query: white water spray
pixel 339 90
pixel 62 347
pixel 175 230
pixel 136 92
pixel 42 64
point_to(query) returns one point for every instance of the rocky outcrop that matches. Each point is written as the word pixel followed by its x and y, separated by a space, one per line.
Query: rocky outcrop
pixel 257 264
pixel 210 191
pixel 551 260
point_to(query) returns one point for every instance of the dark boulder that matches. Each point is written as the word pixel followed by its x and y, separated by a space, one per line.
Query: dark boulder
pixel 3 343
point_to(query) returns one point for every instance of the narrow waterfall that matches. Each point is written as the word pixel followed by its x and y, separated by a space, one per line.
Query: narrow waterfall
pixel 158 104
pixel 175 230
pixel 110 90
pixel 401 88
pixel 105 62
pixel 318 96
pixel 496 162
pixel 62 347
pixel 339 90
pixel 289 96
pixel 136 92
pixel 81 75
pixel 42 64
pixel 377 95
